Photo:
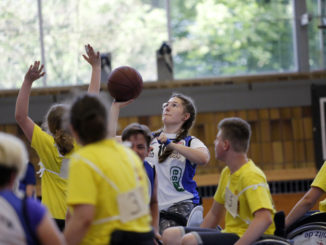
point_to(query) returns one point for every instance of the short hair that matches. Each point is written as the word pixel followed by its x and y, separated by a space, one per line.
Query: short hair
pixel 13 157
pixel 88 117
pixel 136 128
pixel 237 131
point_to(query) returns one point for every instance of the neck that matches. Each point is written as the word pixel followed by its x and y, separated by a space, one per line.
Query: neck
pixel 236 161
pixel 171 129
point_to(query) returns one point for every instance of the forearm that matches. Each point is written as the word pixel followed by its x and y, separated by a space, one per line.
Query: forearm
pixel 22 102
pixel 113 119
pixel 209 222
pixel 214 216
pixel 30 190
pixel 95 84
pixel 155 216
pixel 199 156
pixel 75 230
pixel 304 205
pixel 256 229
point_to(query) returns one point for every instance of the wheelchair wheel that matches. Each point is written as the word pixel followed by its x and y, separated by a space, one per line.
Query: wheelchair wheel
pixel 313 233
pixel 272 240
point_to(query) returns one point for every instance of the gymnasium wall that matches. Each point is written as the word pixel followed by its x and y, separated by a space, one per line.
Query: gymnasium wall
pixel 278 108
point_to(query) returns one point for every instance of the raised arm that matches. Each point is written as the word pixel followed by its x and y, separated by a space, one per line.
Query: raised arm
pixel 114 117
pixel 34 72
pixel 94 59
pixel 197 155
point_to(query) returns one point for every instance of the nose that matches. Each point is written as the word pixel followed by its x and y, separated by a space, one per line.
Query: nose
pixel 134 148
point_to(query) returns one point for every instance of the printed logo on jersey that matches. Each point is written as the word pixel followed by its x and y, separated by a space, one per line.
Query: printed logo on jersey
pixel 175 176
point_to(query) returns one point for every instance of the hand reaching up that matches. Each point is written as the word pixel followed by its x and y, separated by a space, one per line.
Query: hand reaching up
pixel 34 72
pixel 94 59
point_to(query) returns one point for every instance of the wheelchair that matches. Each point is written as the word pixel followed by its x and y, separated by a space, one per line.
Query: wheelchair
pixel 311 229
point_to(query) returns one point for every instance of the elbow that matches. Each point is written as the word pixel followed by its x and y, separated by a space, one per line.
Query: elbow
pixel 308 203
pixel 205 160
pixel 86 222
pixel 269 221
pixel 19 118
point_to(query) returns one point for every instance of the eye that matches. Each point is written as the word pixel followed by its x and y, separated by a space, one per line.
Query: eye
pixel 175 105
pixel 165 105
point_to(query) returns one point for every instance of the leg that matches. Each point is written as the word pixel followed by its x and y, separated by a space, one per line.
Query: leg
pixel 173 235
pixel 191 239
pixel 209 238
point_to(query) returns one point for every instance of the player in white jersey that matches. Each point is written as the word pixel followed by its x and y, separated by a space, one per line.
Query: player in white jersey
pixel 175 155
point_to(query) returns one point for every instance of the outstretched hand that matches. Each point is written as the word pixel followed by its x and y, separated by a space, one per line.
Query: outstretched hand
pixel 34 72
pixel 123 103
pixel 94 59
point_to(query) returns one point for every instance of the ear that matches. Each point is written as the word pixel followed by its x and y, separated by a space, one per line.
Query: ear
pixel 186 116
pixel 226 145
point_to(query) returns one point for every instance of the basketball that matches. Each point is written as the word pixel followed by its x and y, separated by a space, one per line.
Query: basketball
pixel 125 83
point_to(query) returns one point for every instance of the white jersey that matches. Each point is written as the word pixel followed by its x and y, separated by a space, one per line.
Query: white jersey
pixel 175 174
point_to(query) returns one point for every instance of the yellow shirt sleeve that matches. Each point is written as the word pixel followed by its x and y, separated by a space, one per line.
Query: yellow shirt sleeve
pixel 257 197
pixel 320 179
pixel 220 192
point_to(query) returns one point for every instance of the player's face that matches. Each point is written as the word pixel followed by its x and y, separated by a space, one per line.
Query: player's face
pixel 219 146
pixel 173 111
pixel 139 145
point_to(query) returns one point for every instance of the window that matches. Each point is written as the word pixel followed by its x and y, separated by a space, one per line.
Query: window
pixel 19 40
pixel 230 37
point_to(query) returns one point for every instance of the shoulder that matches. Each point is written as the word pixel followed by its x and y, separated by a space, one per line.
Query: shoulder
pixel 194 142
pixel 35 211
pixel 322 171
pixel 225 173
pixel 35 205
pixel 253 175
pixel 39 132
pixel 40 137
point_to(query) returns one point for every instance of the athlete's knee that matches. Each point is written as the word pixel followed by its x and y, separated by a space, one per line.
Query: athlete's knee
pixel 173 235
pixel 189 239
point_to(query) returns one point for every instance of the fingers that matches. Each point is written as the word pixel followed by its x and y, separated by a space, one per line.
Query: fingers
pixel 86 58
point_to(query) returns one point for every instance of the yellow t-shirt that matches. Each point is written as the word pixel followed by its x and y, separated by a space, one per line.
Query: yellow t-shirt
pixel 54 178
pixel 320 182
pixel 98 173
pixel 255 197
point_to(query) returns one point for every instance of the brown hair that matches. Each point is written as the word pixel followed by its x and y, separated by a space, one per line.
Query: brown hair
pixel 54 124
pixel 136 128
pixel 88 117
pixel 237 131
pixel 189 107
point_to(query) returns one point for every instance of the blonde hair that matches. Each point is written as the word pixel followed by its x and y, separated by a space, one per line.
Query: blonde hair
pixel 53 123
pixel 13 153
